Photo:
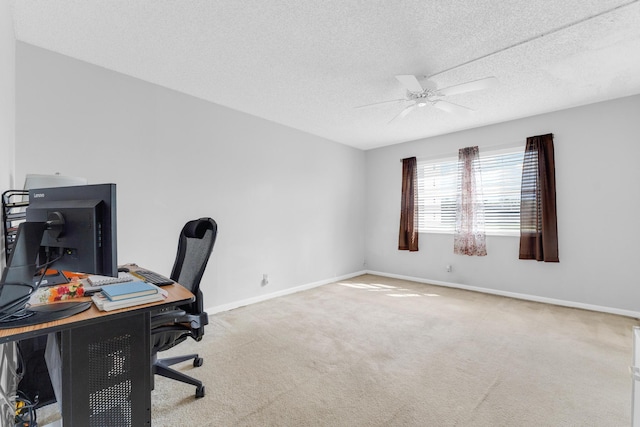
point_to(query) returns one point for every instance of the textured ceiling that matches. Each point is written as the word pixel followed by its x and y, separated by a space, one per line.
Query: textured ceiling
pixel 307 64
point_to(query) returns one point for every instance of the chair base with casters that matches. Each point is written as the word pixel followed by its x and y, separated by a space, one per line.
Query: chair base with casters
pixel 169 335
pixel 162 367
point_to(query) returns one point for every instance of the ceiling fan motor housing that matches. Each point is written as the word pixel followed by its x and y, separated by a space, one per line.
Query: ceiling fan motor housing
pixel 424 98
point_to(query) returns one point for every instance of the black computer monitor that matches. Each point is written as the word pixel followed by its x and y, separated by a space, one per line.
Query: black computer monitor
pixel 81 234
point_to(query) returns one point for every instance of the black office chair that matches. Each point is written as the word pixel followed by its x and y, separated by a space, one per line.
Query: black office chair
pixel 169 328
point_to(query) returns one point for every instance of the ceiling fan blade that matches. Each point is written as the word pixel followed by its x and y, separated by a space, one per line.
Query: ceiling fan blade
pixel 410 82
pixel 450 107
pixel 403 113
pixel 382 102
pixel 468 87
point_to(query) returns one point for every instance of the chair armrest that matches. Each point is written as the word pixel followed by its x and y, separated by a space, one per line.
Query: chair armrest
pixel 175 316
pixel 196 320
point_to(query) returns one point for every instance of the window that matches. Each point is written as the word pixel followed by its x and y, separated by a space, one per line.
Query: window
pixel 438 189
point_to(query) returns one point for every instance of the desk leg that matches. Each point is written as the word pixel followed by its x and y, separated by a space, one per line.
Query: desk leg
pixel 106 373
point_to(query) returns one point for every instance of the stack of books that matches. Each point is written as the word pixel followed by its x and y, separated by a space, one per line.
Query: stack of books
pixel 126 294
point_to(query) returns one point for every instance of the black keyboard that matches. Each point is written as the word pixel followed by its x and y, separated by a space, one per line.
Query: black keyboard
pixel 154 278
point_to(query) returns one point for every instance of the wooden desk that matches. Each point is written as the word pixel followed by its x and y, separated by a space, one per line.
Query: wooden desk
pixel 106 362
pixel 177 295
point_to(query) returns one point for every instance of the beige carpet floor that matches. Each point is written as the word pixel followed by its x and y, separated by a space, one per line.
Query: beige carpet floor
pixel 374 351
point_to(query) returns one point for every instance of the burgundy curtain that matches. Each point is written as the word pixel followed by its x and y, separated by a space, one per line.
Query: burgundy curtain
pixel 469 238
pixel 538 219
pixel 408 239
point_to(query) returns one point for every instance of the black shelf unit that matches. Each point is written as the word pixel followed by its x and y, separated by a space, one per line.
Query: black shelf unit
pixel 14 211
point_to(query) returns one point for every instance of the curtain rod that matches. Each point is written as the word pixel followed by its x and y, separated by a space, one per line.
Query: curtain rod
pixel 488 148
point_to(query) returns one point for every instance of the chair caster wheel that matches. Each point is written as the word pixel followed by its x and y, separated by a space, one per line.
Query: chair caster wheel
pixel 197 362
pixel 200 392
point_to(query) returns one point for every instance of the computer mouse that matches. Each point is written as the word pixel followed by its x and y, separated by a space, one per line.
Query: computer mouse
pixel 123 270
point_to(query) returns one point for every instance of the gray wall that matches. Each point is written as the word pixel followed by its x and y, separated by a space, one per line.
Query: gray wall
pixel 303 209
pixel 7 137
pixel 287 203
pixel 597 149
pixel 7 102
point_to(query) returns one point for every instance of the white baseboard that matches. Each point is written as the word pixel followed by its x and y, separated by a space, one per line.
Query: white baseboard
pixel 564 303
pixel 527 297
pixel 253 300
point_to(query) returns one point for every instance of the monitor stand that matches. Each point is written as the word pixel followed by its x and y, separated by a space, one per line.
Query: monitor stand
pixel 51 278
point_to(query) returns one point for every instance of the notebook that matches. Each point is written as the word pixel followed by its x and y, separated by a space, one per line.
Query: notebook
pixel 128 290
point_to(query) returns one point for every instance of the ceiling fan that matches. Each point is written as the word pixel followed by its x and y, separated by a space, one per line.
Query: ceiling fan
pixel 427 93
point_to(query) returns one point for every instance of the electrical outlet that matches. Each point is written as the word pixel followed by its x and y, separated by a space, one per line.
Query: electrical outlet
pixel 265 280
pixel 449 268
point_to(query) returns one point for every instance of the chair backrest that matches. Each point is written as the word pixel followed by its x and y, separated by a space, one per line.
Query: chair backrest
pixel 195 245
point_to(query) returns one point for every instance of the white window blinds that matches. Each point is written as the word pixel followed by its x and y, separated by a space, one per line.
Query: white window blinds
pixel 501 176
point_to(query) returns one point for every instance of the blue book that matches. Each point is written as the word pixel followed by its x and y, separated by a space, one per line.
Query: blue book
pixel 128 290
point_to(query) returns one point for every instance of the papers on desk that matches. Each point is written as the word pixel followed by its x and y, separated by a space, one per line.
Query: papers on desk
pixel 105 304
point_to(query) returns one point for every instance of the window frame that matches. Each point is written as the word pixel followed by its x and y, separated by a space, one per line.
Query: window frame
pixel 512 153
